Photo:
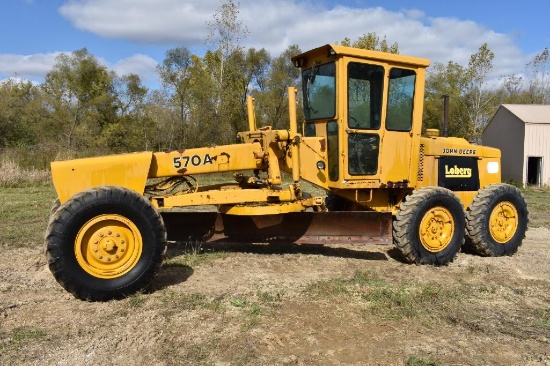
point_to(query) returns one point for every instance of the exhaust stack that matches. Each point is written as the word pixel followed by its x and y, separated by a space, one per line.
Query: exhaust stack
pixel 445 115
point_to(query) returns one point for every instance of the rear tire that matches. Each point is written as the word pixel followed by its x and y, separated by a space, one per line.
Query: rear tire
pixel 430 226
pixel 105 243
pixel 496 221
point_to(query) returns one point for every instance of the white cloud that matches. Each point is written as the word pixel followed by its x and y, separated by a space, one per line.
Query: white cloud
pixel 142 21
pixel 31 67
pixel 273 25
pixel 138 64
pixel 34 67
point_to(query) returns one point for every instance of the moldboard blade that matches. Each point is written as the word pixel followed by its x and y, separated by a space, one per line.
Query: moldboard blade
pixel 349 227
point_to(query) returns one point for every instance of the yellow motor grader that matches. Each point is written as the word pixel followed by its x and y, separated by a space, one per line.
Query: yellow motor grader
pixel 361 141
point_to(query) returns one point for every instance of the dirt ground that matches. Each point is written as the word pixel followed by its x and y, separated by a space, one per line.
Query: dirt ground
pixel 290 304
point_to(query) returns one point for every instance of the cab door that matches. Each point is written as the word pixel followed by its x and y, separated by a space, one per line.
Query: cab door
pixel 397 135
pixel 379 122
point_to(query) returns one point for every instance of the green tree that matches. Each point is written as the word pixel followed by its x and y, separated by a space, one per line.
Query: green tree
pixel 478 98
pixel 175 75
pixel 162 118
pixel 371 41
pixel 538 70
pixel 511 91
pixel 16 123
pixel 133 130
pixel 27 134
pixel 131 94
pixel 247 73
pixel 272 96
pixel 226 35
pixel 80 94
pixel 471 99
pixel 451 80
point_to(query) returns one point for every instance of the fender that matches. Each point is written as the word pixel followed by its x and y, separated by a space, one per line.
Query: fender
pixel 124 170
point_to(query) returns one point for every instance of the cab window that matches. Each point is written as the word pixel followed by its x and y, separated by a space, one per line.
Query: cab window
pixel 365 85
pixel 319 88
pixel 400 100
pixel 332 148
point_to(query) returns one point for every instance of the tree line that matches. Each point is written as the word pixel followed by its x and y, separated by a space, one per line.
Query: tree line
pixel 82 108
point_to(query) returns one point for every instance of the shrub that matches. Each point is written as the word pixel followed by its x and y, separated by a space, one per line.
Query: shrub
pixel 11 175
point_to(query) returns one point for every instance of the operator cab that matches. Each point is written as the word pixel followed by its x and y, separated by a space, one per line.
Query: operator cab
pixel 368 105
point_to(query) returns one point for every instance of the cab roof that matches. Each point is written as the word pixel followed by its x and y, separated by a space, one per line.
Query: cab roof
pixel 332 50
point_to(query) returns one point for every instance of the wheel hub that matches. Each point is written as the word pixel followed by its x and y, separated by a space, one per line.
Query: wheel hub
pixel 436 229
pixel 108 246
pixel 503 222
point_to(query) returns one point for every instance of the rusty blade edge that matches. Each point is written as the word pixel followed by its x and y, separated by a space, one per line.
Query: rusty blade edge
pixel 355 227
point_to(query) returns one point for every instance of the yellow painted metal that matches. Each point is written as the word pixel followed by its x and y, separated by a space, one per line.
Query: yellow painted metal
pixel 401 159
pixel 294 137
pixel 273 170
pixel 378 199
pixel 262 208
pixel 436 229
pixel 207 160
pixel 226 197
pixel 402 164
pixel 108 246
pixel 454 146
pixel 306 59
pixel 313 151
pixel 126 170
pixel 271 143
pixel 503 222
pixel 398 152
pixel 251 113
pixel 465 197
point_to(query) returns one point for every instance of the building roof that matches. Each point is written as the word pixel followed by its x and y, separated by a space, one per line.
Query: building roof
pixel 530 113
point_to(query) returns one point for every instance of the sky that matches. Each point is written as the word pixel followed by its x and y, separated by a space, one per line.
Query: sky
pixel 133 36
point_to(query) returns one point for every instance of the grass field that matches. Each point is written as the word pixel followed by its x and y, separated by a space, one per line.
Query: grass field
pixel 265 305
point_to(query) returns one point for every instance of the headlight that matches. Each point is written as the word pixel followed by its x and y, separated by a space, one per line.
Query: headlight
pixel 492 167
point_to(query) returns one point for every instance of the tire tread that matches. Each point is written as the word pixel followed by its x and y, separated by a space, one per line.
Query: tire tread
pixel 402 228
pixel 110 195
pixel 477 214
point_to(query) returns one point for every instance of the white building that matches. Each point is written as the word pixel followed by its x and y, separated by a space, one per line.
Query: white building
pixel 522 133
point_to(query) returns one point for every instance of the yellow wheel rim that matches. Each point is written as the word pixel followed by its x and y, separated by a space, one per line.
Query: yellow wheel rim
pixel 436 229
pixel 503 222
pixel 108 246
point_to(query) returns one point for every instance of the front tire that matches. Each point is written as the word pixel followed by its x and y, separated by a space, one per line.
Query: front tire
pixel 497 221
pixel 430 226
pixel 105 243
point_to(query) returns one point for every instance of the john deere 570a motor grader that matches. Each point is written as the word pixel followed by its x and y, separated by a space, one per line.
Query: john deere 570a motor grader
pixel 360 141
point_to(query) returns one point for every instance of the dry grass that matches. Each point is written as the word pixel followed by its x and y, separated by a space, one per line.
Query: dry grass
pixel 252 305
pixel 538 202
pixel 12 175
